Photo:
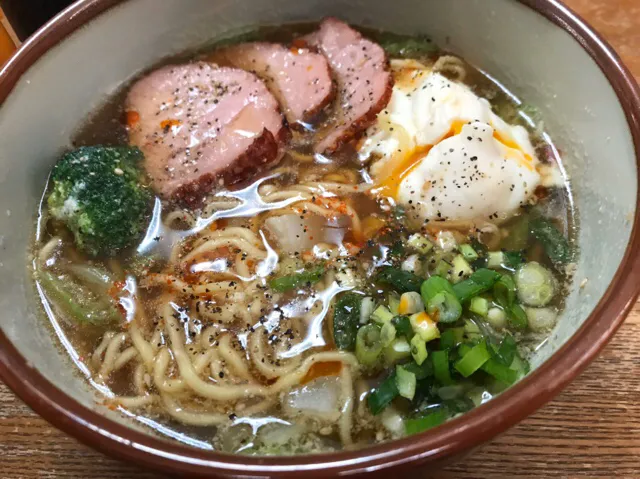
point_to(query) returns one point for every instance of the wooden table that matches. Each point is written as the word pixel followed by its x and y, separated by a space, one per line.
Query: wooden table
pixel 591 430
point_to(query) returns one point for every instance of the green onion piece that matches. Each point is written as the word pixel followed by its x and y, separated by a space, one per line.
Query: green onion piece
pixel 495 259
pixel 507 350
pixel 346 319
pixel 415 426
pixel 424 326
pixel 420 243
pixel 368 345
pixel 504 291
pixel 433 286
pixel 422 371
pixel 367 306
pixel 403 326
pixel 473 360
pixel 536 284
pixel 381 315
pixel 444 307
pixel 520 365
pixel 387 334
pixel 440 361
pixel 501 372
pixel 512 260
pixel 517 317
pixel 554 243
pixel 443 268
pixel 398 350
pixel 405 382
pixel 479 306
pixel 450 338
pixel 401 281
pixel 411 303
pixel 461 269
pixel 480 282
pixel 497 318
pixel 541 319
pixel 468 252
pixel 419 349
pixel 380 397
pixel 394 303
pixel 297 280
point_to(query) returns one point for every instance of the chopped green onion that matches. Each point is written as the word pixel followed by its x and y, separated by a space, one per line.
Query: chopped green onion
pixel 380 397
pixel 497 318
pixel 415 426
pixel 520 365
pixel 398 350
pixel 403 326
pixel 422 371
pixel 367 306
pixel 368 345
pixel 400 281
pixel 420 243
pixel 473 360
pixel 382 315
pixel 450 338
pixel 495 259
pixel 507 350
pixel 541 319
pixel 536 284
pixel 410 303
pixel 517 317
pixel 504 291
pixel 387 334
pixel 480 282
pixel 433 286
pixel 405 382
pixel 501 372
pixel 479 306
pixel 468 252
pixel 554 243
pixel 440 361
pixel 443 268
pixel 445 307
pixel 424 326
pixel 512 260
pixel 419 349
pixel 461 269
pixel 346 318
pixel 394 303
pixel 297 280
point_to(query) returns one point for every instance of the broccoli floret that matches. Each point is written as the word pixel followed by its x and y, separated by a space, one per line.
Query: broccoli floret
pixel 98 192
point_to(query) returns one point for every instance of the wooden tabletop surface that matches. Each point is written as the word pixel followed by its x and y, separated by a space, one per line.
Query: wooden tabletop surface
pixel 592 429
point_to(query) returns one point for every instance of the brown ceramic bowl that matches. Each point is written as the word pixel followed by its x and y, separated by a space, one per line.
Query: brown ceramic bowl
pixel 543 51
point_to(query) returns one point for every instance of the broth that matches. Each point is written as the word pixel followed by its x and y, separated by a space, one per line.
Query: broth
pixel 236 328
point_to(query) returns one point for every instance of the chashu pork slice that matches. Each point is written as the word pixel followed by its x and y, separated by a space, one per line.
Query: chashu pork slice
pixel 360 68
pixel 299 78
pixel 201 126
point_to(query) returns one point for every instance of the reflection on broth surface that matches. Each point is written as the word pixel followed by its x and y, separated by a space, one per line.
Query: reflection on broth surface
pixel 247 269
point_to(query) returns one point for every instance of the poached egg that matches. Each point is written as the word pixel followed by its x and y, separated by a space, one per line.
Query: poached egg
pixel 440 151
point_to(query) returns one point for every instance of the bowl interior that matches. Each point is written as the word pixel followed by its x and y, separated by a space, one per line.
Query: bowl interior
pixel 521 49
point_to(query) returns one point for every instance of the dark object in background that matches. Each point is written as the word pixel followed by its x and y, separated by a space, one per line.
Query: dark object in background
pixel 26 16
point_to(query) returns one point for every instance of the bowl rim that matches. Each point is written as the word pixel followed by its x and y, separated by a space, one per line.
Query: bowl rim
pixel 454 437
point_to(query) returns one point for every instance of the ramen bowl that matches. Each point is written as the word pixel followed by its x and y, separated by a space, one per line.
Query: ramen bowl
pixel 537 48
